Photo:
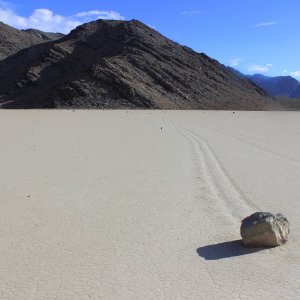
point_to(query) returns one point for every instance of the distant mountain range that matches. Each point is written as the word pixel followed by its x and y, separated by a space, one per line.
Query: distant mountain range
pixel 116 64
pixel 13 40
pixel 281 86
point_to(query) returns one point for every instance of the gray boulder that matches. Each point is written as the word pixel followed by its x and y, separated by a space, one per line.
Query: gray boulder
pixel 263 229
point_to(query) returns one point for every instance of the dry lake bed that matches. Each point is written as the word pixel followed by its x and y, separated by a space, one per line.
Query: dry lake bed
pixel 146 204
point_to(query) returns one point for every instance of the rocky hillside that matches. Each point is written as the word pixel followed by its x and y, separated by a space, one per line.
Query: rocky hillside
pixel 280 86
pixel 122 64
pixel 13 40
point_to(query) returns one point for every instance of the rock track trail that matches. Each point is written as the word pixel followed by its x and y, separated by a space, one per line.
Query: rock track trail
pixel 222 187
pixel 263 149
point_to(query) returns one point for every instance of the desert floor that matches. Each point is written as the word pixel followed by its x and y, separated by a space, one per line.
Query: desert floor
pixel 146 204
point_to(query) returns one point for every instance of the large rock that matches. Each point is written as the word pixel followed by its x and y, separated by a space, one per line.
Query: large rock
pixel 263 229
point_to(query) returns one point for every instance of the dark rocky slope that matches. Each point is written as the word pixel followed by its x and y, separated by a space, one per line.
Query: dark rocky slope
pixel 122 64
pixel 13 40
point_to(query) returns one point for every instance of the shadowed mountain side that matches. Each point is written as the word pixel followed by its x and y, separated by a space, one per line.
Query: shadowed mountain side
pixel 123 64
pixel 13 40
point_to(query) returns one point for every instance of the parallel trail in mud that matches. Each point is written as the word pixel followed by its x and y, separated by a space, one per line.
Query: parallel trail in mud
pixel 223 188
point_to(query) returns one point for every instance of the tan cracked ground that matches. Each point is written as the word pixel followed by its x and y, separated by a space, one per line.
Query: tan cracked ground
pixel 145 204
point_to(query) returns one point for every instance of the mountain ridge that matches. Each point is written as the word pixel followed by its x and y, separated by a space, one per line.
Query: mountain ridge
pixel 13 40
pixel 122 64
pixel 278 86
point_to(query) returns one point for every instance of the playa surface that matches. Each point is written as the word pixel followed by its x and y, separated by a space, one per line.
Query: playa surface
pixel 146 204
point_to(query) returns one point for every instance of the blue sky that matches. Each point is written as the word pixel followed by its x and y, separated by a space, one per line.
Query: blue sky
pixel 253 36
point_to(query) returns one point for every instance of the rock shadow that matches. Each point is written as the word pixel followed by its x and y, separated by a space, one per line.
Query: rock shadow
pixel 225 250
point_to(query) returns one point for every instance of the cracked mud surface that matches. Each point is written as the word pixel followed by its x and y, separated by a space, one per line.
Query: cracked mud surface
pixel 145 205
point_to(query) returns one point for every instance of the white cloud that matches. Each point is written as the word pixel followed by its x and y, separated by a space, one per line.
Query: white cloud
pixel 296 74
pixel 234 62
pixel 152 26
pixel 285 71
pixel 45 20
pixel 264 24
pixel 191 12
pixel 260 68
pixel 100 14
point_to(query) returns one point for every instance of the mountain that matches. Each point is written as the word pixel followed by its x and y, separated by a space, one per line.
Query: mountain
pixel 122 64
pixel 280 86
pixel 13 40
pixel 45 36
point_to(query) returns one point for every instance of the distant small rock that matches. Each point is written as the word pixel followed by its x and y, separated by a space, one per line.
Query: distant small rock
pixel 263 229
